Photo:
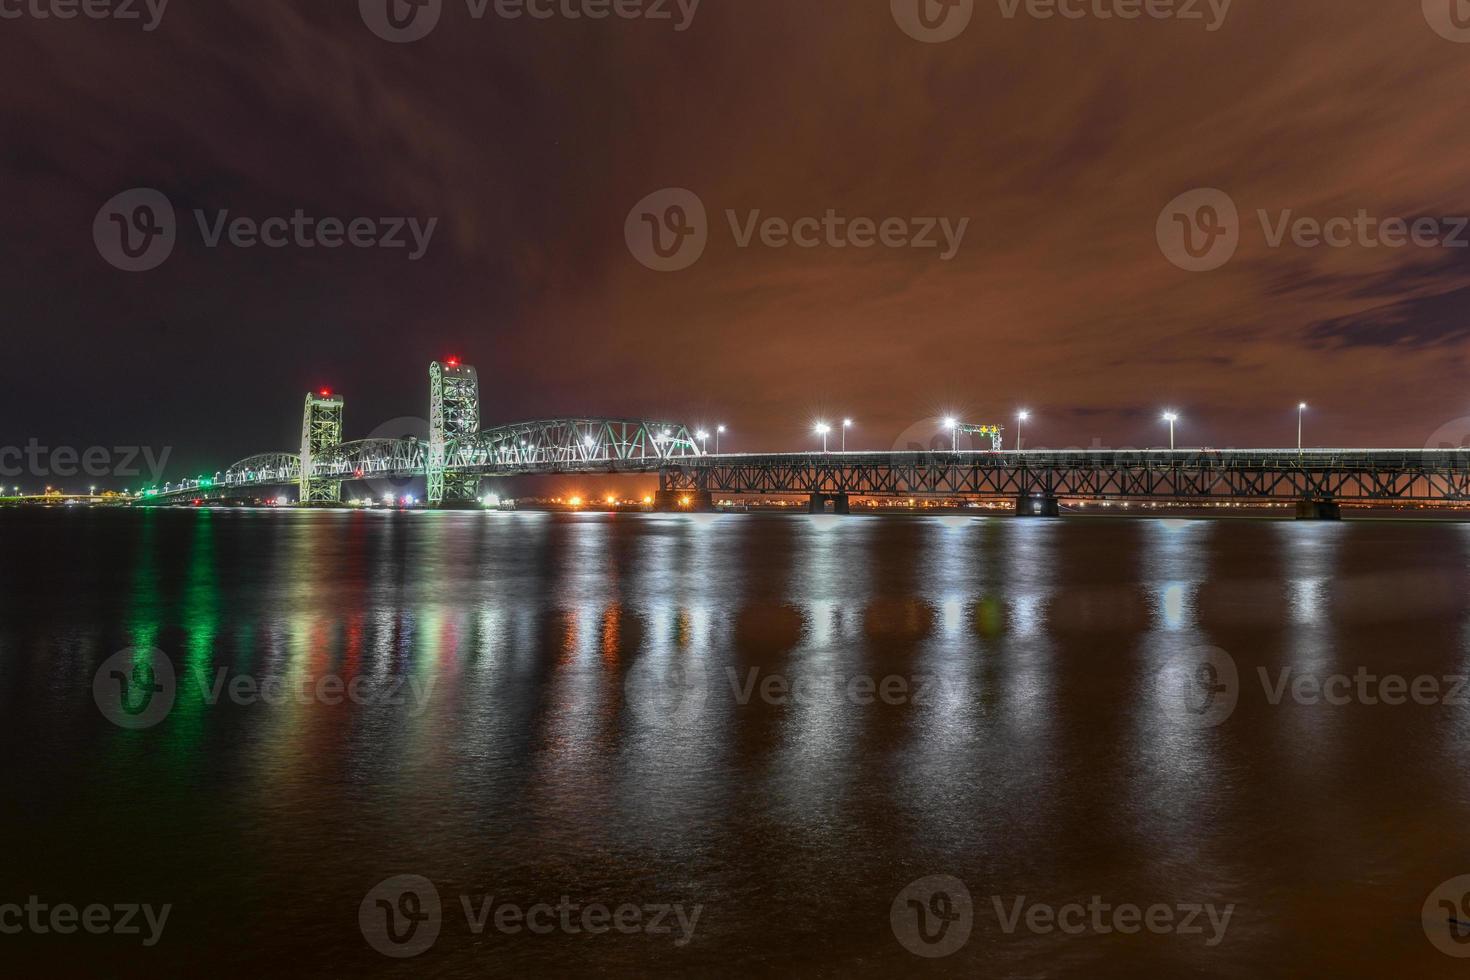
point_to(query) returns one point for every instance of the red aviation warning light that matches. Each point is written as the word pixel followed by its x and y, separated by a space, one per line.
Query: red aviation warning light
pixel 452 362
pixel 326 392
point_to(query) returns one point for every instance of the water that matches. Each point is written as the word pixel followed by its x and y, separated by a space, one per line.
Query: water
pixel 592 706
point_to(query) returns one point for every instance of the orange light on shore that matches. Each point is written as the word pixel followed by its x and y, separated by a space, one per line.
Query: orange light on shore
pixel 575 501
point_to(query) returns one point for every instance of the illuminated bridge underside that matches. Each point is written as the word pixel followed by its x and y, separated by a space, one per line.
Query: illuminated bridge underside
pixel 1400 476
pixel 525 448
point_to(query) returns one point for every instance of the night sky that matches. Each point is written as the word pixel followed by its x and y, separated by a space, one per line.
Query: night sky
pixel 530 141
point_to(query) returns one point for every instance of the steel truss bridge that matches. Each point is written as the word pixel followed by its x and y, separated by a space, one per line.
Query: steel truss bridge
pixel 1038 479
pixel 459 453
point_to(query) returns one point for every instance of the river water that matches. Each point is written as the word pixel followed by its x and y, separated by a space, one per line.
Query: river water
pixel 731 745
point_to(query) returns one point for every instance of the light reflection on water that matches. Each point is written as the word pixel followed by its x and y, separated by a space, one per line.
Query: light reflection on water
pixel 581 713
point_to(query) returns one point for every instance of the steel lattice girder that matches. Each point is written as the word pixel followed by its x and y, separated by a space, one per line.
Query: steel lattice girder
pixel 573 445
pixel 454 424
pixel 1409 476
pixel 528 448
pixel 321 432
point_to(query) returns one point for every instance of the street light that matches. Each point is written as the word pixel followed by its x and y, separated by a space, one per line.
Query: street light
pixel 703 437
pixel 953 425
pixel 1171 418
pixel 846 424
pixel 1022 417
pixel 1300 410
pixel 822 429
pixel 719 431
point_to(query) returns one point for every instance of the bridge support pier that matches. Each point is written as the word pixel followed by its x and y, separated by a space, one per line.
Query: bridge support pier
pixel 817 503
pixel 683 501
pixel 1318 510
pixel 1028 505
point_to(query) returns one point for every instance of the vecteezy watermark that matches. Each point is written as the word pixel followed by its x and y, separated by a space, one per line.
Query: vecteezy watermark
pixel 63 919
pixel 1100 917
pixel 1446 917
pixel 1363 687
pixel 148 12
pixel 137 689
pixel 933 21
pixel 34 459
pixel 403 916
pixel 669 230
pixel 936 21
pixel 1200 231
pixel 137 230
pixel 406 21
pixel 678 693
pixel 1450 19
pixel 933 916
pixel 1199 688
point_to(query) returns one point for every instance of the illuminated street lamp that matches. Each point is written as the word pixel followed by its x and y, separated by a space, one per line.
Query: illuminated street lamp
pixel 953 425
pixel 1300 411
pixel 719 431
pixel 822 428
pixel 1022 417
pixel 703 437
pixel 846 424
pixel 1171 418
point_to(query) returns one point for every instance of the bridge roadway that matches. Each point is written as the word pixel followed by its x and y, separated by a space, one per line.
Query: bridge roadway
pixel 1318 479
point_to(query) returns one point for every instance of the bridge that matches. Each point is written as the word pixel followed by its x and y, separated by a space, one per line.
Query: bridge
pixel 459 453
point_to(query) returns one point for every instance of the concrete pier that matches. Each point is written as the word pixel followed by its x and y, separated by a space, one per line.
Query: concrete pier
pixel 817 503
pixel 1038 506
pixel 1318 510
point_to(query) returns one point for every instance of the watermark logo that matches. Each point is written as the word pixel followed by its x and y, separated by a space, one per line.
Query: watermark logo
pixel 668 230
pixel 1446 917
pixel 34 459
pixel 401 916
pixel 135 688
pixel 667 694
pixel 405 21
pixel 64 919
pixel 933 916
pixel 1101 917
pixel 121 10
pixel 401 21
pixel 138 689
pixel 1448 447
pixel 933 21
pixel 136 230
pixel 1450 19
pixel 1199 688
pixel 1199 231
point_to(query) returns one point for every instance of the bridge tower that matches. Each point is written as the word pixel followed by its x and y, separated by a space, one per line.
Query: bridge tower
pixel 454 423
pixel 321 431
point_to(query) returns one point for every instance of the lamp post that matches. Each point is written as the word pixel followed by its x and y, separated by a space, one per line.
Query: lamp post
pixel 1300 411
pixel 719 431
pixel 1022 417
pixel 1171 418
pixel 703 438
pixel 846 424
pixel 953 425
pixel 822 429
